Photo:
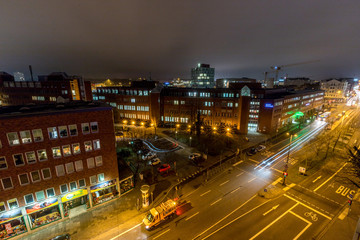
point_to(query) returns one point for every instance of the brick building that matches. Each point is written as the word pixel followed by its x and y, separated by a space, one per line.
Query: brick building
pixel 57 86
pixel 245 106
pixel 55 162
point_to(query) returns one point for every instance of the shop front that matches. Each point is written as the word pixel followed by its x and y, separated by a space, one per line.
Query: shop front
pixel 12 224
pixel 75 202
pixel 126 184
pixel 104 192
pixel 43 213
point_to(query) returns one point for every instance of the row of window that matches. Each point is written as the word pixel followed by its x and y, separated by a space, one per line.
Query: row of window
pixel 124 92
pixel 56 153
pixel 132 107
pixel 53 133
pixel 7 183
pixel 50 192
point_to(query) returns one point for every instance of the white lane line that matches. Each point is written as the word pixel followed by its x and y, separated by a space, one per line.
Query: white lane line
pixel 205 193
pixel 254 160
pixel 234 220
pixel 224 182
pixel 240 174
pixel 276 170
pixel 330 177
pixel 317 179
pixel 288 187
pixel 307 226
pixel 126 231
pixel 216 201
pixel 161 234
pixel 191 216
pixel 251 179
pixel 320 213
pixel 262 230
pixel 234 165
pixel 226 216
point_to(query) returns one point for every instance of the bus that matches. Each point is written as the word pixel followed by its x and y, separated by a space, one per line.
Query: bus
pixel 323 116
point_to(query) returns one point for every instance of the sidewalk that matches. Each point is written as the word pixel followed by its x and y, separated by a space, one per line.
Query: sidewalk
pixel 113 218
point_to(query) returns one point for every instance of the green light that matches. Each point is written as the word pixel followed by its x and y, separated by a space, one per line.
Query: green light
pixel 297 115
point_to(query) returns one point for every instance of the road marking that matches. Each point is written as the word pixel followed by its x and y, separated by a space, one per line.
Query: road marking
pixel 254 160
pixel 216 201
pixel 288 187
pixel 269 225
pixel 191 216
pixel 227 215
pixel 330 177
pixel 276 170
pixel 161 234
pixel 320 213
pixel 344 214
pixel 224 182
pixel 205 193
pixel 316 179
pixel 272 209
pixel 277 180
pixel 308 225
pixel 251 179
pixel 240 174
pixel 223 226
pixel 127 231
pixel 237 163
pixel 235 190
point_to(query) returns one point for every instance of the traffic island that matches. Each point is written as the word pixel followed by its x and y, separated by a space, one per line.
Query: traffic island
pixel 271 191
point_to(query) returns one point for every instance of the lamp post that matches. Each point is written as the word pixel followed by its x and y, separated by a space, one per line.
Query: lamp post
pixel 288 157
pixel 176 130
pixel 190 140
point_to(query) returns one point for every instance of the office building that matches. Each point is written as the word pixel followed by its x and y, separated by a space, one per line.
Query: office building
pixel 203 76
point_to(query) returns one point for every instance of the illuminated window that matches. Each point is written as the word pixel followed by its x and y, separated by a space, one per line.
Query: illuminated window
pixel 37 135
pixel 98 161
pixel 42 155
pixel 52 133
pixel 25 137
pixel 76 148
pixel 13 138
pixel 101 177
pixel 30 157
pixel 73 130
pixel 13 203
pixel 63 132
pixel 96 144
pixel 88 146
pixel 40 195
pixel 66 150
pixel 56 152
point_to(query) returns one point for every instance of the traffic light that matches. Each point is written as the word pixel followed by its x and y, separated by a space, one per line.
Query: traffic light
pixel 285 174
pixel 350 202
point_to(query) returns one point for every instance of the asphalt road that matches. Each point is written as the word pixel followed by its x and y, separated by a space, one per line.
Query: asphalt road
pixel 228 207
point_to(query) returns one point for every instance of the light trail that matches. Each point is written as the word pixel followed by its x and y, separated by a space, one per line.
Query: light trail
pixel 295 145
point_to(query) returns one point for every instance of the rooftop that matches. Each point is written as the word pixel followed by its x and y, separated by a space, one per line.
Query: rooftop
pixel 45 109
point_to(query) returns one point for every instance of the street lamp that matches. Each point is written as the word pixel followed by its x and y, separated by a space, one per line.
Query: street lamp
pixel 190 140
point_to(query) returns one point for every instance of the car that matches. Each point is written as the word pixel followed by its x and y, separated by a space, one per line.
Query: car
pixel 260 148
pixel 164 168
pixel 154 161
pixel 149 156
pixel 194 155
pixel 62 237
pixel 251 152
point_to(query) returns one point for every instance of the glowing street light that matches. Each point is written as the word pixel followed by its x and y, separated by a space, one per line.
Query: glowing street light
pixel 125 122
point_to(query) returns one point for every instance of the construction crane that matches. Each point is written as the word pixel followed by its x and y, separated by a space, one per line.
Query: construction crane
pixel 276 69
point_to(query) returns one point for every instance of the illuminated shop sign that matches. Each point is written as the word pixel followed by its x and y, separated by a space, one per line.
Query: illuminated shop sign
pixel 73 195
pixel 39 206
pixel 269 105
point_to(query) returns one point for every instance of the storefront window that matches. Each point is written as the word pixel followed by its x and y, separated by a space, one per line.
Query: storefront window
pixel 76 148
pixel 11 224
pixel 43 213
pixel 126 185
pixel 75 199
pixel 104 192
pixel 42 155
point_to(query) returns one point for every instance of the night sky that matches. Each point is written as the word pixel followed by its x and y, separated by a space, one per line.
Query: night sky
pixel 131 38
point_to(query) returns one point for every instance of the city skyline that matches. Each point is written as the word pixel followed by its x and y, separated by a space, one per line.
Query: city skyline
pixel 114 40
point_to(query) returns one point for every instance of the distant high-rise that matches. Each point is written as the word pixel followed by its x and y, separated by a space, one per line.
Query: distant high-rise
pixel 19 77
pixel 203 76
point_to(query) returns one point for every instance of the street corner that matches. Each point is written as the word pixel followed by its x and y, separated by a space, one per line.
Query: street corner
pixel 270 192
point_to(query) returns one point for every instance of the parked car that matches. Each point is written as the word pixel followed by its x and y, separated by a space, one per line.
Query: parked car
pixel 251 152
pixel 260 148
pixel 164 168
pixel 149 156
pixel 61 237
pixel 155 161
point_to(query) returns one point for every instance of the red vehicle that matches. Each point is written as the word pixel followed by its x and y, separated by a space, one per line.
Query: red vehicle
pixel 164 168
